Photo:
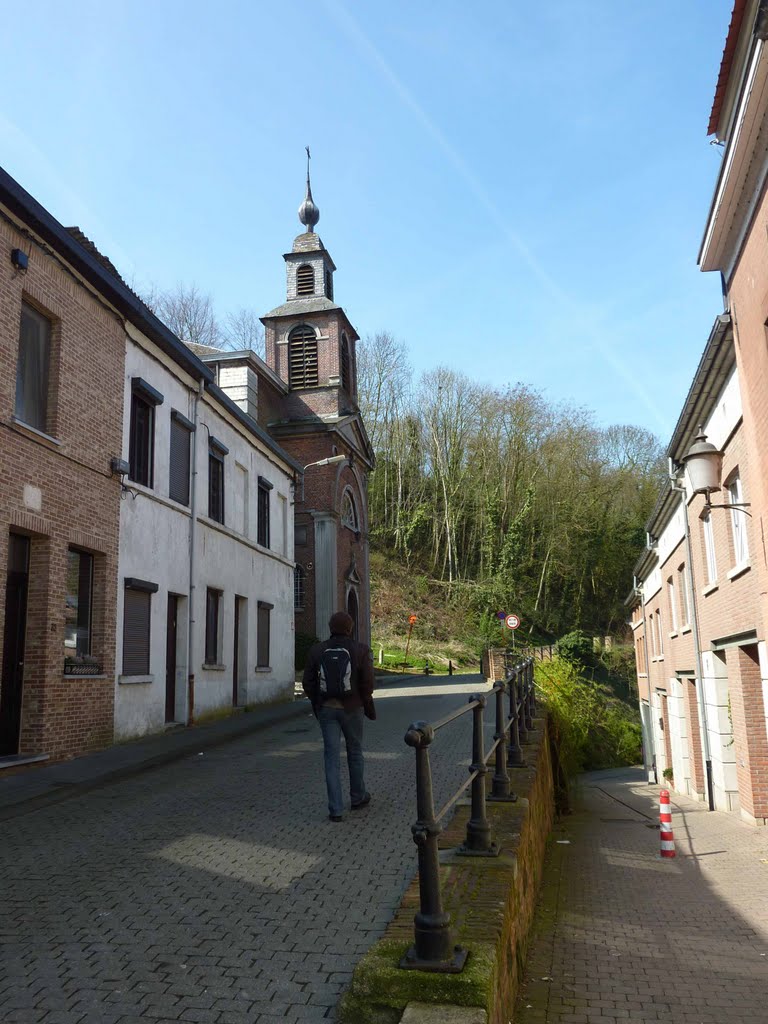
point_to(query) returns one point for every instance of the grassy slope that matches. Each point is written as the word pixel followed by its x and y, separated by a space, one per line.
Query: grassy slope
pixel 442 631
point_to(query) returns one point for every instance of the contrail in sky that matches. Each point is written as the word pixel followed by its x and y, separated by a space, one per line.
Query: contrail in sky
pixel 351 27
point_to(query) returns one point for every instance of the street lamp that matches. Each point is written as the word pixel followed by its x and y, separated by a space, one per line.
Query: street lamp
pixel 704 464
pixel 332 460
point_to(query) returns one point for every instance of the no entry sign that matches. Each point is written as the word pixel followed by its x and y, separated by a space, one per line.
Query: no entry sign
pixel 512 621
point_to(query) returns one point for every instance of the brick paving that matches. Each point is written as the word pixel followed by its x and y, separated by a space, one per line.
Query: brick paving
pixel 214 890
pixel 622 935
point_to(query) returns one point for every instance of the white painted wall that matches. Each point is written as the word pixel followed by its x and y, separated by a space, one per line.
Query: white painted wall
pixel 154 546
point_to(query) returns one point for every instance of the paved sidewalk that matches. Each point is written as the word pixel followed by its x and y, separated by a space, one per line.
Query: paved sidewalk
pixel 622 935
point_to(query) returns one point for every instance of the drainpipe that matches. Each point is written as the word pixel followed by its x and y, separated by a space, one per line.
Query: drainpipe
pixel 192 545
pixel 700 701
pixel 639 591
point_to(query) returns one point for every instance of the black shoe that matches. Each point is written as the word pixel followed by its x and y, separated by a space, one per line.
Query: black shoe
pixel 335 817
pixel 363 803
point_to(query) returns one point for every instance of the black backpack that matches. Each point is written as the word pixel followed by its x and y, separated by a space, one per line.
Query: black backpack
pixel 335 674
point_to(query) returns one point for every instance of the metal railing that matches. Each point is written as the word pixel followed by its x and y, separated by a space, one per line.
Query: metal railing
pixel 433 948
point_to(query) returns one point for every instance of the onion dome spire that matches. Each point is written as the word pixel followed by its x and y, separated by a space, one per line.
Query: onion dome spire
pixel 309 214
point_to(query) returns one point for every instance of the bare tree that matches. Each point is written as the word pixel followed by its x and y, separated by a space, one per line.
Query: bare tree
pixel 187 312
pixel 243 330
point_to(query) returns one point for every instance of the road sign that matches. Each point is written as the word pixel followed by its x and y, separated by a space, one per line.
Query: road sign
pixel 512 621
pixel 501 615
pixel 411 619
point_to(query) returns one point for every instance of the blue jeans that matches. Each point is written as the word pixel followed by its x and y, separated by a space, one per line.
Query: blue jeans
pixel 334 722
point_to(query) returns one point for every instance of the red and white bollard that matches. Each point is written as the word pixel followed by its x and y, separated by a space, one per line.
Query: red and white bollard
pixel 666 833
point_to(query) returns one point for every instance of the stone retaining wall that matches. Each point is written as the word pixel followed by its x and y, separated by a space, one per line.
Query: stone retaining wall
pixel 491 902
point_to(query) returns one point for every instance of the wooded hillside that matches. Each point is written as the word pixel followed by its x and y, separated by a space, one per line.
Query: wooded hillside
pixel 518 504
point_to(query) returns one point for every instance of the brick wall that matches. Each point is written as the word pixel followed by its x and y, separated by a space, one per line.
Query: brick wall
pixel 58 491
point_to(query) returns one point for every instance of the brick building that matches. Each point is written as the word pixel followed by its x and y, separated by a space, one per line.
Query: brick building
pixel 704 704
pixel 305 394
pixel 138 558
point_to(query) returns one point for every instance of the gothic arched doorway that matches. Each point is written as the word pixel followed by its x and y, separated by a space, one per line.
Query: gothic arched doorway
pixel 352 610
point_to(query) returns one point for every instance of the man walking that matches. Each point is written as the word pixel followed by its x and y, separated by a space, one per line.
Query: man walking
pixel 338 679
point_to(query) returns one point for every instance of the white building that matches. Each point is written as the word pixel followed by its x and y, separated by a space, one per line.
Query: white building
pixel 206 570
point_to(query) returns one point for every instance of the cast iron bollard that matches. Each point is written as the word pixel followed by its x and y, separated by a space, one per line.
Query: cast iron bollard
pixel 433 948
pixel 515 750
pixel 501 788
pixel 528 700
pixel 522 722
pixel 478 842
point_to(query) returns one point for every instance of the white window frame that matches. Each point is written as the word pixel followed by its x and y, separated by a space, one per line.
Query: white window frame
pixel 738 523
pixel 685 602
pixel 672 602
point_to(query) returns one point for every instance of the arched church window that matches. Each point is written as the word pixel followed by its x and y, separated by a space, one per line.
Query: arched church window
pixel 305 280
pixel 349 511
pixel 346 380
pixel 302 358
pixel 299 578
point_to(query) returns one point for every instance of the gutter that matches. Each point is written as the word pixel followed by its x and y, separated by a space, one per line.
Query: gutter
pixel 192 546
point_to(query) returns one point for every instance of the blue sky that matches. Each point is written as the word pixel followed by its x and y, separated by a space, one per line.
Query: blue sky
pixel 517 191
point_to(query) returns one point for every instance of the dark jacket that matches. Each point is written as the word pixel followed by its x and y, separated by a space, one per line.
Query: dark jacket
pixel 362 673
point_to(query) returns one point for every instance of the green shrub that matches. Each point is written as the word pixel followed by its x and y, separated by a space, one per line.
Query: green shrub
pixel 592 728
pixel 576 648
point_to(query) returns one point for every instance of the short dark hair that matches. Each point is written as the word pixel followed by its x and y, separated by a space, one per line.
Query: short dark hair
pixel 341 624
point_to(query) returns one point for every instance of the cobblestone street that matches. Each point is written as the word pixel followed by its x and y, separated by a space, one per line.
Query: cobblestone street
pixel 622 935
pixel 215 890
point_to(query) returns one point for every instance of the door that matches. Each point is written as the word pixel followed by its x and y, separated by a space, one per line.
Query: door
pixel 236 656
pixel 171 636
pixel 352 611
pixel 11 682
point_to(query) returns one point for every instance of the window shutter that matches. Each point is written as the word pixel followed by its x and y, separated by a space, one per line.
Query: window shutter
pixel 136 620
pixel 178 487
pixel 262 634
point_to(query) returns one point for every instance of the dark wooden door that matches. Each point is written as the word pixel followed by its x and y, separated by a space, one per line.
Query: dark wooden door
pixel 170 658
pixel 236 655
pixel 12 680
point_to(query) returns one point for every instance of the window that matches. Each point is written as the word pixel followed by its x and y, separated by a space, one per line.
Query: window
pixel 299 580
pixel 659 632
pixel 78 611
pixel 178 480
pixel 305 280
pixel 652 631
pixel 262 634
pixel 216 453
pixel 738 523
pixel 709 548
pixel 302 358
pixel 348 511
pixel 212 627
pixel 300 536
pixel 262 510
pixel 672 602
pixel 141 454
pixel 137 607
pixel 241 511
pixel 682 580
pixel 345 369
pixel 32 369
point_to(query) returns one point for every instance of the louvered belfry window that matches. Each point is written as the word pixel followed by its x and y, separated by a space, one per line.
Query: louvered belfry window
pixel 302 358
pixel 305 280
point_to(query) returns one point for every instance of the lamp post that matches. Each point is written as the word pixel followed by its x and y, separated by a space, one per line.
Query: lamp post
pixel 703 464
pixel 332 460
